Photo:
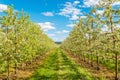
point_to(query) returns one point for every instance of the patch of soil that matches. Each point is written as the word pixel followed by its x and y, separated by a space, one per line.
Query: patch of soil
pixel 27 72
pixel 102 71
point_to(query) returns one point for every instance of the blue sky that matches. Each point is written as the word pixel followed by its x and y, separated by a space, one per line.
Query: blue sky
pixel 56 17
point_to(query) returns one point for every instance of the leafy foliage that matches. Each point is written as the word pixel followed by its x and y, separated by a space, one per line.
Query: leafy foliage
pixel 96 38
pixel 21 40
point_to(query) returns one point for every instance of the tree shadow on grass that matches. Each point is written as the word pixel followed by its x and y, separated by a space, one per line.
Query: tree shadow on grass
pixel 58 67
pixel 47 70
pixel 74 73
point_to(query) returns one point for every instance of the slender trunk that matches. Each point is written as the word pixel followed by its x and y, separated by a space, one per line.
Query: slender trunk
pixel 116 63
pixel 31 63
pixel 89 48
pixel 98 68
pixel 15 49
pixel 116 57
pixel 97 57
pixel 114 47
pixel 116 67
pixel 88 58
pixel 91 60
pixel 90 44
pixel 79 57
pixel 15 68
pixel 8 62
pixel 84 59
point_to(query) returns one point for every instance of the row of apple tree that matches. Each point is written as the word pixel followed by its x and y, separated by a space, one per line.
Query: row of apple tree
pixel 21 40
pixel 96 37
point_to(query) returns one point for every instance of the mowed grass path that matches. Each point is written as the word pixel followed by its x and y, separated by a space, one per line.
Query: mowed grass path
pixel 59 67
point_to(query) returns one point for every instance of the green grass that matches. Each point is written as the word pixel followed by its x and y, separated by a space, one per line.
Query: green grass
pixel 59 67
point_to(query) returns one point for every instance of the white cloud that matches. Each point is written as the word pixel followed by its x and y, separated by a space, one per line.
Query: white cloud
pixel 60 39
pixel 74 17
pixel 3 7
pixel 117 26
pixel 100 12
pixel 51 35
pixel 47 14
pixel 70 25
pixel 70 10
pixel 58 32
pixel 76 2
pixel 116 3
pixel 89 3
pixel 47 26
pixel 105 28
pixel 83 16
pixel 63 31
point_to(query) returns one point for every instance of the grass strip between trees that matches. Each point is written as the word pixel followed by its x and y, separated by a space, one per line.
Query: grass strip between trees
pixel 60 67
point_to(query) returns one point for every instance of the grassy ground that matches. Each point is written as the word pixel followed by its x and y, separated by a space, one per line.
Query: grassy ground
pixel 60 67
pixel 26 72
pixel 102 74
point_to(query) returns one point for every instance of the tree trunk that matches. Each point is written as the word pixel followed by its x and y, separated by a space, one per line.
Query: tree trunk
pixel 8 71
pixel 97 57
pixel 116 67
pixel 91 60
pixel 15 68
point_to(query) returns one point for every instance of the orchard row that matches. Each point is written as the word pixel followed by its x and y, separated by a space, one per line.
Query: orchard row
pixel 96 37
pixel 21 40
